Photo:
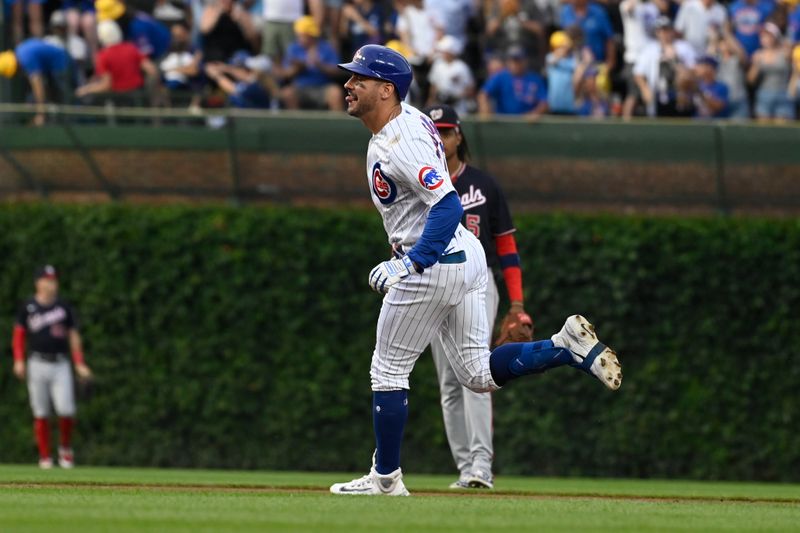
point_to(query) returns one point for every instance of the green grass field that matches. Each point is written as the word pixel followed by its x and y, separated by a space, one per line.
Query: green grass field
pixel 121 499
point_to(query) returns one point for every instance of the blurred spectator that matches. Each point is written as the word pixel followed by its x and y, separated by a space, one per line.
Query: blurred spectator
pixel 516 23
pixel 561 64
pixel 596 27
pixel 452 16
pixel 793 25
pixel 712 95
pixel 168 12
pixel 74 45
pixel 696 21
pixel 770 69
pixel 419 30
pixel 180 69
pixel 150 36
pixel 663 71
pixel 278 32
pixel 226 28
pixel 310 68
pixel 794 81
pixel 119 66
pixel 48 68
pixel 82 19
pixel 590 99
pixel 450 78
pixel 638 18
pixel 515 90
pixel 34 11
pixel 732 60
pixel 747 17
pixel 245 80
pixel 361 23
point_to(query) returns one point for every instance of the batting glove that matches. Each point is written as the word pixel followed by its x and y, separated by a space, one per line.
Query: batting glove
pixel 386 274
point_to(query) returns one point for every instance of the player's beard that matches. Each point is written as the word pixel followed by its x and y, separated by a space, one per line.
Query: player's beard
pixel 362 106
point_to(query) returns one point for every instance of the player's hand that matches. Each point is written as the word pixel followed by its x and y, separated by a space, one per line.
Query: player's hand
pixel 19 369
pixel 384 276
pixel 83 371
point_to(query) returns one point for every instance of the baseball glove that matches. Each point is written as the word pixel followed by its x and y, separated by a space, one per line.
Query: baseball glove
pixel 517 326
pixel 84 387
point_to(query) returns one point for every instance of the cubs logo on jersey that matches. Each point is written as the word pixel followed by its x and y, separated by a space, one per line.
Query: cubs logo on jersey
pixel 382 186
pixel 430 178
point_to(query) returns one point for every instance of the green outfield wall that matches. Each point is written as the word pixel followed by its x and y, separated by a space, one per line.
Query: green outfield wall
pixel 645 167
pixel 241 338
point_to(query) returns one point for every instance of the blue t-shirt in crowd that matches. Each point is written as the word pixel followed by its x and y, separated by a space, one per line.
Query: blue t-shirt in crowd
pixel 38 57
pixel 150 36
pixel 719 91
pixel 311 77
pixel 515 95
pixel 747 19
pixel 595 25
pixel 560 94
pixel 794 25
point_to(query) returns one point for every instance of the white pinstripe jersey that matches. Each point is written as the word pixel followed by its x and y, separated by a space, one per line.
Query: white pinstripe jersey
pixel 407 174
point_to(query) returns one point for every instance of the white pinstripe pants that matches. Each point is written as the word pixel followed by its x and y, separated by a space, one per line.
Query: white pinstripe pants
pixel 446 301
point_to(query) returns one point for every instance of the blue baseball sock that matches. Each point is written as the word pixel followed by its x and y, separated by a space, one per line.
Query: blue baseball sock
pixel 511 361
pixel 389 414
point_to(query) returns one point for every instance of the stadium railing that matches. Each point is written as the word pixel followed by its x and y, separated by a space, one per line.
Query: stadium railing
pixel 318 158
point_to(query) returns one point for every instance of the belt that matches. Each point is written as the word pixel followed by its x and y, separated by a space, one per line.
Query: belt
pixel 448 259
pixel 49 357
pixel 455 257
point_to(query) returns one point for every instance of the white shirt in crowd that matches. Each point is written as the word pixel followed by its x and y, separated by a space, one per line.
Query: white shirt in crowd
pixel 648 63
pixel 173 61
pixel 453 16
pixel 283 10
pixel 637 25
pixel 694 20
pixel 421 26
pixel 452 79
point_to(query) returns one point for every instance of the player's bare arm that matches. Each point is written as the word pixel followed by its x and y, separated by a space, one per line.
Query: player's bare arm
pixel 76 348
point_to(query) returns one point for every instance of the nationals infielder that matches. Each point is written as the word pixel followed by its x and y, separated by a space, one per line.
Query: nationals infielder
pixel 468 415
pixel 51 329
pixel 436 286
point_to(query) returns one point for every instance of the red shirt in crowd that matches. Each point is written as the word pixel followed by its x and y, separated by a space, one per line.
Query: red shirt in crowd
pixel 123 62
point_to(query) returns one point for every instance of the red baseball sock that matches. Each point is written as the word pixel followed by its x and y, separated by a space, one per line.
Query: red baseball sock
pixel 65 425
pixel 41 428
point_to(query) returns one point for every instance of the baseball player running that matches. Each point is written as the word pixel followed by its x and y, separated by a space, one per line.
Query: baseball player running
pixel 51 330
pixel 468 415
pixel 436 285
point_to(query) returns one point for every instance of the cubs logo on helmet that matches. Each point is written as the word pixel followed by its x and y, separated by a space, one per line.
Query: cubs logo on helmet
pixel 382 186
pixel 430 178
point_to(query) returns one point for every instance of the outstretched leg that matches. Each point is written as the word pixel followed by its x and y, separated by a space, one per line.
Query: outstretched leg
pixel 575 345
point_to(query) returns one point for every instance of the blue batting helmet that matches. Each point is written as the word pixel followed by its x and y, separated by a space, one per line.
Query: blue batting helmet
pixel 379 62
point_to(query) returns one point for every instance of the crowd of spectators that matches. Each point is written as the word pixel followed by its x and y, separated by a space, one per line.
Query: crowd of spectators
pixel 658 58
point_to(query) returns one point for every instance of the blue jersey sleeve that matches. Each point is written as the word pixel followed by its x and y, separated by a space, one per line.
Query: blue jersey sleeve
pixel 440 227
